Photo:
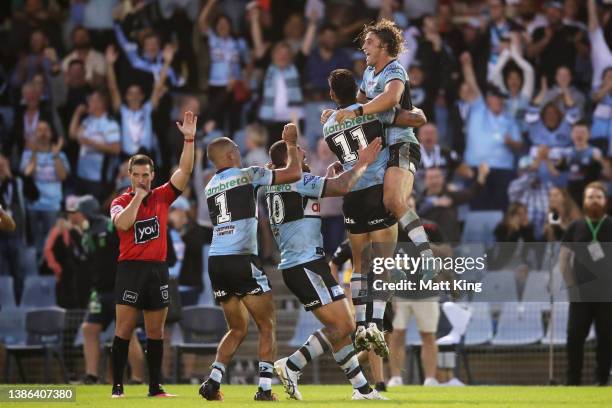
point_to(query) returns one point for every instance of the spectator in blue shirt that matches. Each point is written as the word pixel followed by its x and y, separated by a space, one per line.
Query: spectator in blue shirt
pixel 493 138
pixel 549 125
pixel 100 143
pixel 601 130
pixel 48 166
pixel 150 59
pixel 137 134
pixel 227 85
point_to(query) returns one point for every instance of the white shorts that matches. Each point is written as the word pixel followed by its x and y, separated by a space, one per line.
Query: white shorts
pixel 426 311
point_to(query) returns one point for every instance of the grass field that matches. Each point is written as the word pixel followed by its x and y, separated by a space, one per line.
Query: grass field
pixel 339 396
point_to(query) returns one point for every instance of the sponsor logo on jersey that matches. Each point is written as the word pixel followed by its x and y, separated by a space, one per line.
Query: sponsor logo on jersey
pixel 225 230
pixel 313 303
pixel 254 291
pixel 347 124
pixel 225 185
pixel 164 292
pixel 146 230
pixel 279 188
pixel 129 296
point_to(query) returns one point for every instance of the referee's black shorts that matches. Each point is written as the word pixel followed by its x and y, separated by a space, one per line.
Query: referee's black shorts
pixel 142 284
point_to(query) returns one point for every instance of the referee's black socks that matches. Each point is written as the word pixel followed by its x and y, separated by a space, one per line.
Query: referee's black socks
pixel 119 357
pixel 155 352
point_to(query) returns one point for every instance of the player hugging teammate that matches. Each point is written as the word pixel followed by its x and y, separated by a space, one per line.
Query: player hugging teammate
pixel 381 106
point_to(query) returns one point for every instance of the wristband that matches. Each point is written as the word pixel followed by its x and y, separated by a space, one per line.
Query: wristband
pixel 188 140
pixel 358 111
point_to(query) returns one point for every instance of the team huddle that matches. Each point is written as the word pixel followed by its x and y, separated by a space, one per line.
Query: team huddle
pixel 371 134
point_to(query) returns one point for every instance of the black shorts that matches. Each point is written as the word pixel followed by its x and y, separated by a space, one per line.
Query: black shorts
pixel 364 211
pixel 101 309
pixel 142 284
pixel 237 275
pixel 405 156
pixel 313 284
pixel 387 317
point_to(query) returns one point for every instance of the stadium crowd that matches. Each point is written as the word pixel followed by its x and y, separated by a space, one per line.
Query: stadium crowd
pixel 518 96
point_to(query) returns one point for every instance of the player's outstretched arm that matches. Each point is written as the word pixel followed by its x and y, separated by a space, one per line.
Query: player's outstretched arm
pixel 293 170
pixel 339 185
pixel 180 178
pixel 414 117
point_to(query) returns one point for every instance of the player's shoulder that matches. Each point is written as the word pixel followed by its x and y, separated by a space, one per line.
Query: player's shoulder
pixel 395 68
pixel 126 195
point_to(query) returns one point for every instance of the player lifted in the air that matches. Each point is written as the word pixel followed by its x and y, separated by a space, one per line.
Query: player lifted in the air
pixel 238 280
pixel 366 218
pixel 384 86
pixel 296 225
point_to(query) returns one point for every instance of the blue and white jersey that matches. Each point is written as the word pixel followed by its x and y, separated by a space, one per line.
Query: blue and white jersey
pixel 101 129
pixel 345 139
pixel 226 55
pixel 232 202
pixel 373 84
pixel 136 128
pixel 295 219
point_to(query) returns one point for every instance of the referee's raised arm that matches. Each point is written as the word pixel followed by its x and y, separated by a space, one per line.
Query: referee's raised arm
pixel 180 178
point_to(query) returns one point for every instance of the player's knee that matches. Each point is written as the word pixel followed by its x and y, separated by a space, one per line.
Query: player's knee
pixel 395 204
pixel 428 339
pixel 346 328
pixel 239 332
pixel 155 333
pixel 266 326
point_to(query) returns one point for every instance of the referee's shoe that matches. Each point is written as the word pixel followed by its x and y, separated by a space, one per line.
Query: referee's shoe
pixel 159 392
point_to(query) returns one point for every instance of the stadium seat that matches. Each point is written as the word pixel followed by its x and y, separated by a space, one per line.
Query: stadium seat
pixel 45 335
pixel 27 262
pixel 480 328
pixel 12 325
pixel 39 291
pixel 536 288
pixel 479 226
pixel 497 287
pixel 202 327
pixel 307 323
pixel 556 332
pixel 519 324
pixel 7 295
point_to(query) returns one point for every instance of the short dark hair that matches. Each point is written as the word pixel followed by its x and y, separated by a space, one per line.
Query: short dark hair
pixel 140 160
pixel 389 34
pixel 581 122
pixel 278 153
pixel 342 83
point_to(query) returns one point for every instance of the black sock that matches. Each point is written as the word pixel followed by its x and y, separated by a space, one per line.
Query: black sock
pixel 119 354
pixel 365 389
pixel 155 352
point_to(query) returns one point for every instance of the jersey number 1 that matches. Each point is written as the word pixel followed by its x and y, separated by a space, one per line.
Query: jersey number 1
pixel 224 215
pixel 349 155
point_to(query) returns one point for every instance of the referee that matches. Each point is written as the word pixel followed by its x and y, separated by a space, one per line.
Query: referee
pixel 141 217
